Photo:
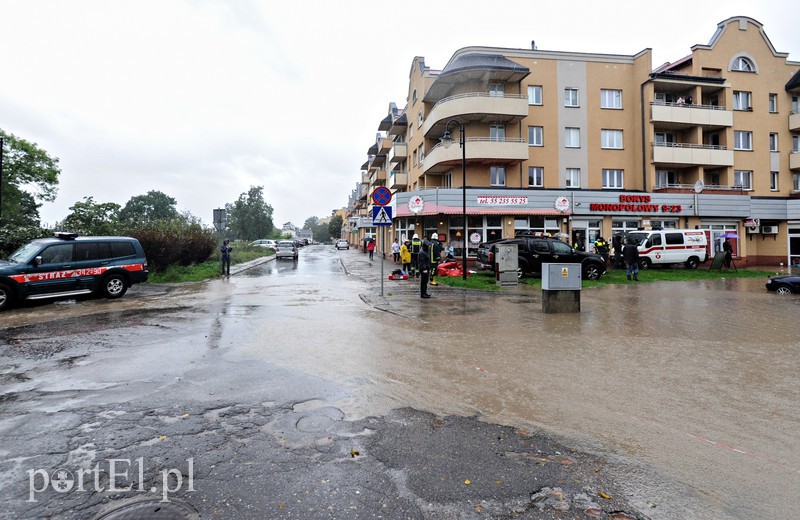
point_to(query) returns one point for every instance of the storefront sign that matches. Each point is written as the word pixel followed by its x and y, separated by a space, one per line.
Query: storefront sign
pixel 562 204
pixel 636 204
pixel 415 204
pixel 502 200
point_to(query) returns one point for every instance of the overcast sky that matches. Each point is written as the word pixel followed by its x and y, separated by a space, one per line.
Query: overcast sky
pixel 202 99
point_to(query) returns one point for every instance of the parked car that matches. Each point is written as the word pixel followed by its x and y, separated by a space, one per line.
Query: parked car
pixel 784 284
pixel 286 249
pixel 535 251
pixel 264 243
pixel 342 244
pixel 671 246
pixel 68 265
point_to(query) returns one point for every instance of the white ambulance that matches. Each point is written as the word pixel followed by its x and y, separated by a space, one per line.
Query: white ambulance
pixel 671 246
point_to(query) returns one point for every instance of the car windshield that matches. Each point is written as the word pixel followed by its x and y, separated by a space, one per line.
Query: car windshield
pixel 286 244
pixel 24 254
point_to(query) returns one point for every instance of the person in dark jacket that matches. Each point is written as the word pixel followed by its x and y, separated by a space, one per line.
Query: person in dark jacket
pixel 416 245
pixel 601 247
pixel 616 241
pixel 630 253
pixel 436 256
pixel 226 257
pixel 727 248
pixel 424 269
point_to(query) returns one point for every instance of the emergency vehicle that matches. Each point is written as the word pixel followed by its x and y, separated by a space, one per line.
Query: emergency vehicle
pixel 68 265
pixel 671 246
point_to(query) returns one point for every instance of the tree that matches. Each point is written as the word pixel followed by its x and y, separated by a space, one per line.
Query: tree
pixel 335 227
pixel 144 209
pixel 30 176
pixel 250 218
pixel 91 218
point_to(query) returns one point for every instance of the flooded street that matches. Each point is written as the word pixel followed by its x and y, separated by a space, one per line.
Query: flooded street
pixel 690 388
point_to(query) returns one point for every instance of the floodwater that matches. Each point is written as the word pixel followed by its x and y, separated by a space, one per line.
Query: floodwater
pixel 696 382
pixel 691 387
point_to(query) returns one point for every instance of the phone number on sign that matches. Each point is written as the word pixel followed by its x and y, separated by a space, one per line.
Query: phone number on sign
pixel 502 200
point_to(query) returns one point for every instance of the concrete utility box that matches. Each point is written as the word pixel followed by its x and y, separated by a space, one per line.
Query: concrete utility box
pixel 506 264
pixel 561 288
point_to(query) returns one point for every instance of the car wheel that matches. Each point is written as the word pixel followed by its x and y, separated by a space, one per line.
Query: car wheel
pixel 784 289
pixel 591 272
pixel 6 297
pixel 692 263
pixel 114 286
pixel 644 264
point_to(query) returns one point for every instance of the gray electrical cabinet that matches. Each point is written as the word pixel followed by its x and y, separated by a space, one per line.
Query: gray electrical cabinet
pixel 561 277
pixel 506 264
pixel 561 288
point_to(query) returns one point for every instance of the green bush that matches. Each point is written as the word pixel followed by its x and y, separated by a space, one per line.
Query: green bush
pixel 178 241
pixel 12 237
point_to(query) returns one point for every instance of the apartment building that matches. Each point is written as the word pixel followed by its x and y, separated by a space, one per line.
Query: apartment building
pixel 593 144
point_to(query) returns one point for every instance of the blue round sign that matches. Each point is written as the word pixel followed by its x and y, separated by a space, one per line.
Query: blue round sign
pixel 382 196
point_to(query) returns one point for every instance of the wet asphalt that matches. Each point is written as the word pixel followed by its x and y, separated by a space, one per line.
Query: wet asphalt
pixel 281 393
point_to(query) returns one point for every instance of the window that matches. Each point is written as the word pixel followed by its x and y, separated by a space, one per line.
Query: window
pixel 796 143
pixel 572 137
pixel 573 178
pixel 673 239
pixel 742 64
pixel 120 249
pixel 497 133
pixel 612 179
pixel 773 103
pixel 796 182
pixel 414 154
pixel 535 136
pixel 419 118
pixel 611 139
pixel 773 181
pixel 56 254
pixel 610 98
pixel 666 177
pixel 535 176
pixel 497 176
pixel 743 178
pixel 741 100
pixel 795 104
pixel 421 153
pixel 534 94
pixel 742 140
pixel 447 181
pixel 497 89
pixel 665 137
pixel 773 142
pixel 414 97
pixel 571 97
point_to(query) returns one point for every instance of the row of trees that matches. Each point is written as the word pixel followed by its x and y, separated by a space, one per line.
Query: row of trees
pixel 30 177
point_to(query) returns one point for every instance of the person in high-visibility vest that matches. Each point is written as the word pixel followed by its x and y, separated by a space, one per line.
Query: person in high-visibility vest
pixel 436 256
pixel 416 246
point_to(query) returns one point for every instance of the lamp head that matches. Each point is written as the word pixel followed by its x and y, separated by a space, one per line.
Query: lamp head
pixel 446 139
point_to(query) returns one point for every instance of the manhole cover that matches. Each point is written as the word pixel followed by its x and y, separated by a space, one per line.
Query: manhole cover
pixel 152 510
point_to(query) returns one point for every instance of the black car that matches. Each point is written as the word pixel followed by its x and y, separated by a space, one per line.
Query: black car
pixel 535 251
pixel 784 284
pixel 68 265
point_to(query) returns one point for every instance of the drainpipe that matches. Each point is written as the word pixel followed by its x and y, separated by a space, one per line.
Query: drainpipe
pixel 644 137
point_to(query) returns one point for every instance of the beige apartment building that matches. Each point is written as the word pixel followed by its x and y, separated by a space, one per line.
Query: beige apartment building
pixel 594 144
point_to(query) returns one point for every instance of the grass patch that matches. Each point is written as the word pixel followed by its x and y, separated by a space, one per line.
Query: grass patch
pixel 485 280
pixel 208 269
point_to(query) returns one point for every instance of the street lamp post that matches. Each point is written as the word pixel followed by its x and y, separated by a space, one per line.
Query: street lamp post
pixel 447 140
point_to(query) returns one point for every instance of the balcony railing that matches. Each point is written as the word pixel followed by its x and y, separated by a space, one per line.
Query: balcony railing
pixel 794 122
pixel 692 154
pixel 690 188
pixel 794 161
pixel 441 159
pixel 399 153
pixel 691 115
pixel 478 106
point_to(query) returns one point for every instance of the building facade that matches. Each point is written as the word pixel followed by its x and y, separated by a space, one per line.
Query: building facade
pixel 592 145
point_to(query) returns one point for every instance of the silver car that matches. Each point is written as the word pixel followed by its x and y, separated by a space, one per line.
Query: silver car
pixel 286 249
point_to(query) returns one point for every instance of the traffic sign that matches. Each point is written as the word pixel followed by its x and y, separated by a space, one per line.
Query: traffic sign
pixel 382 196
pixel 382 216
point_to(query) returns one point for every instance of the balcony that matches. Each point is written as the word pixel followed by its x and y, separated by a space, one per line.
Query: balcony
pixel 673 116
pixel 398 181
pixel 477 107
pixel 384 145
pixel 708 189
pixel 377 177
pixel 483 149
pixel 794 122
pixel 686 154
pixel 398 153
pixel 794 161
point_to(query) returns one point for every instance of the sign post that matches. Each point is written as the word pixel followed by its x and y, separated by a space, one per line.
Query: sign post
pixel 382 216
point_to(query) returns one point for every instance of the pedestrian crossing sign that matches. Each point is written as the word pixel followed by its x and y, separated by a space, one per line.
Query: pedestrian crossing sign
pixel 382 216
